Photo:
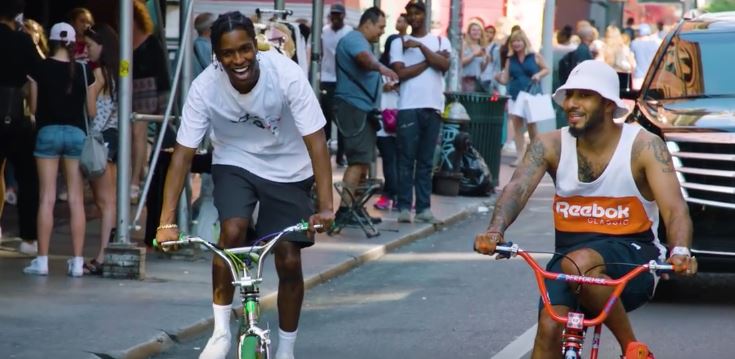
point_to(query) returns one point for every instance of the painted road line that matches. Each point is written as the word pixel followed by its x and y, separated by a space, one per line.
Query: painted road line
pixel 518 348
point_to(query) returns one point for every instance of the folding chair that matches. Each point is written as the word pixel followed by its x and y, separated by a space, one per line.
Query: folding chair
pixel 358 197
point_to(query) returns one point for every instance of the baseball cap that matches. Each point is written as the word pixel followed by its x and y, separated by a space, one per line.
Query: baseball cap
pixel 595 76
pixel 337 8
pixel 417 4
pixel 63 32
pixel 644 30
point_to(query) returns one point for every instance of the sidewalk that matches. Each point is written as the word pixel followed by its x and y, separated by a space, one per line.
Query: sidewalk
pixel 92 317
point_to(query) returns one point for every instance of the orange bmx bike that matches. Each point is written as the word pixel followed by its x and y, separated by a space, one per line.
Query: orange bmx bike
pixel 575 323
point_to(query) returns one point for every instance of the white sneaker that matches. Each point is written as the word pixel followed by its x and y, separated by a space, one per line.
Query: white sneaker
pixel 29 249
pixel 75 266
pixel 217 347
pixel 36 268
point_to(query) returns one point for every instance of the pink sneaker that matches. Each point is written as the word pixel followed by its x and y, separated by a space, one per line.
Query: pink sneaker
pixel 383 203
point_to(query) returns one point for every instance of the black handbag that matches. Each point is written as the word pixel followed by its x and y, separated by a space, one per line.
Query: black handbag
pixel 11 107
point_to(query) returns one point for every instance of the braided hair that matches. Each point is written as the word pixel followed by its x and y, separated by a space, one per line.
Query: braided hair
pixel 230 21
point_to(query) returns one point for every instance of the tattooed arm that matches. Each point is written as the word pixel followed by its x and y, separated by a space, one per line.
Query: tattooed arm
pixel 661 179
pixel 516 193
pixel 666 190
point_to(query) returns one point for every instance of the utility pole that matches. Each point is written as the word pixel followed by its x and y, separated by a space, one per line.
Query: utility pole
pixel 547 50
pixel 317 20
pixel 455 39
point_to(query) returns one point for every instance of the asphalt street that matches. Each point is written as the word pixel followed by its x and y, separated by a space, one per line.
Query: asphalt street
pixel 435 298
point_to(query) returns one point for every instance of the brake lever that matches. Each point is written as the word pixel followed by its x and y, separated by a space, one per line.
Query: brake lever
pixel 504 255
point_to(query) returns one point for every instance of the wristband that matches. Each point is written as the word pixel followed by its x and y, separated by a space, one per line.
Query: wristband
pixel 167 226
pixel 680 251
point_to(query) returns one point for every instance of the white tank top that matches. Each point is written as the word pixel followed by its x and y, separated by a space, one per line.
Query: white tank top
pixel 609 206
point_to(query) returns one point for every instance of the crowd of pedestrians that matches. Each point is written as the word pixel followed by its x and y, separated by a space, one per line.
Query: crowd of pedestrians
pixel 54 91
pixel 392 102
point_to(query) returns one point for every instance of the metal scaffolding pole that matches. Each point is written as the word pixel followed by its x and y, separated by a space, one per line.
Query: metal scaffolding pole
pixel 427 23
pixel 185 49
pixel 317 20
pixel 455 39
pixel 125 106
pixel 546 42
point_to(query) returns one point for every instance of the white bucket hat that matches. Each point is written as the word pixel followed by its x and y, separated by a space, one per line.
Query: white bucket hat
pixel 595 76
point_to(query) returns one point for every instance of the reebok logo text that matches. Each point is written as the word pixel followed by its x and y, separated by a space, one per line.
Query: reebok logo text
pixel 592 211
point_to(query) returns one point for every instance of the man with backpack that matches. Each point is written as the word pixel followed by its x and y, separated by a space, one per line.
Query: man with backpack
pixel 569 61
pixel 357 98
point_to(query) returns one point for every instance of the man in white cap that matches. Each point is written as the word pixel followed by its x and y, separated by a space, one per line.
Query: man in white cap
pixel 644 48
pixel 612 181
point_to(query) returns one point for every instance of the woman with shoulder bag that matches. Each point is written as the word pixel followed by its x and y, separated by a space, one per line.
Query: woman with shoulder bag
pixel 63 86
pixel 102 47
pixel 523 69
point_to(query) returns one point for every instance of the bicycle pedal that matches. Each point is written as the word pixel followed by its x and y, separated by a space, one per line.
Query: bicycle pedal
pixel 636 350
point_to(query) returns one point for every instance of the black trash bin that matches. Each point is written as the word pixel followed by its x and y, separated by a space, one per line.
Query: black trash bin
pixel 487 116
pixel 454 141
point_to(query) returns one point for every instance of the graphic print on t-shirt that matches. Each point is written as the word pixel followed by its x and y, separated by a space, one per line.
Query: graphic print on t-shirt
pixel 607 215
pixel 268 123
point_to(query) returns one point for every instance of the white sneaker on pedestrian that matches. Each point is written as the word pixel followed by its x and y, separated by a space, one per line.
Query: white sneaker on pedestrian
pixel 75 266
pixel 37 267
pixel 508 149
pixel 425 216
pixel 404 216
pixel 30 249
pixel 217 347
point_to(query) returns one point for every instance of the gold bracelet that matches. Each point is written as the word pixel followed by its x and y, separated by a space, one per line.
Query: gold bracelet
pixel 167 226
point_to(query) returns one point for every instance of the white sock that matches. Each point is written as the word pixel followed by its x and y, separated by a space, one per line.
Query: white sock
pixel 222 315
pixel 286 341
pixel 42 261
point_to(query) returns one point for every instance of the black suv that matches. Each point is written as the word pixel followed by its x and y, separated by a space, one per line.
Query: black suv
pixel 688 98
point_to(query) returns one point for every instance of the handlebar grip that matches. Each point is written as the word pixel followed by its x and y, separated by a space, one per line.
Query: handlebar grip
pixel 505 251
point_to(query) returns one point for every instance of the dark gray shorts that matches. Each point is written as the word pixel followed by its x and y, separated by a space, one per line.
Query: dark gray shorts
pixel 614 250
pixel 359 136
pixel 236 191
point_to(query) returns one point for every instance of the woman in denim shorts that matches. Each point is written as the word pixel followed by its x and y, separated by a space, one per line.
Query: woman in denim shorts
pixel 63 86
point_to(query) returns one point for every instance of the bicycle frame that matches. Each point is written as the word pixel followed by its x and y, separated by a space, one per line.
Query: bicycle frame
pixel 575 325
pixel 240 261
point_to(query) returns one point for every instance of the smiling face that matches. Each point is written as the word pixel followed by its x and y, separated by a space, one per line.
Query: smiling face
pixel 586 111
pixel 373 31
pixel 415 18
pixel 475 32
pixel 237 53
pixel 518 46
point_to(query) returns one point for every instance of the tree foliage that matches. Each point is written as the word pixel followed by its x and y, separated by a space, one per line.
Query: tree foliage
pixel 721 5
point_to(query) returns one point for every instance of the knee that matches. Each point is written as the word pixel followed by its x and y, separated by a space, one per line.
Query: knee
pixel 232 234
pixel 582 261
pixel 289 266
pixel 548 335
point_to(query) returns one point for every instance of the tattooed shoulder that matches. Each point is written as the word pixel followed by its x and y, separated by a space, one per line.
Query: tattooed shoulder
pixel 661 154
pixel 536 153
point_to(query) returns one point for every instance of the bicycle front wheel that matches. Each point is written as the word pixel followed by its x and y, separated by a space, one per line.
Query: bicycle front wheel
pixel 252 347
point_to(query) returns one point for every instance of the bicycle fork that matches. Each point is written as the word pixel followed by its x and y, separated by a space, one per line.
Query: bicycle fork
pixel 251 315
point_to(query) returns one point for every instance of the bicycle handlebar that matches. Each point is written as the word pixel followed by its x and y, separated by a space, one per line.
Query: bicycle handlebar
pixel 256 253
pixel 511 250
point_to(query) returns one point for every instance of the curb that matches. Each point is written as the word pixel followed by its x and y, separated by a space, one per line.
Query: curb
pixel 165 340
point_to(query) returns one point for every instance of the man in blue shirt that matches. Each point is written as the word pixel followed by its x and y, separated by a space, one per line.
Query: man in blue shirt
pixel 202 44
pixel 356 95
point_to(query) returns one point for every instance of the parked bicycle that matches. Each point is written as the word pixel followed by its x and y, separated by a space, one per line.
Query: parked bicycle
pixel 575 324
pixel 253 341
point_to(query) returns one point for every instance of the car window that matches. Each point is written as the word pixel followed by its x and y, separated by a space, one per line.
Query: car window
pixel 695 64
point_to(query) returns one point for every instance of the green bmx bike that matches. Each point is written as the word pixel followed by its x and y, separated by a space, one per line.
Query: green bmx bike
pixel 246 267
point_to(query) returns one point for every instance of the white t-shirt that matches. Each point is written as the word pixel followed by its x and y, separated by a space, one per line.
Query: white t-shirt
pixel 427 89
pixel 330 38
pixel 260 131
pixel 644 49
